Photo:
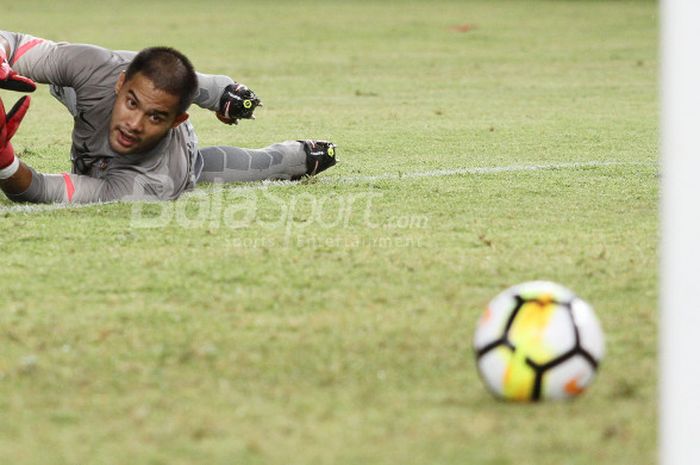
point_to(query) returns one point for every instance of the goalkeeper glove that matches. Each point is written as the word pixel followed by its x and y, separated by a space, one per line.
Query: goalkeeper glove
pixel 9 79
pixel 237 102
pixel 8 126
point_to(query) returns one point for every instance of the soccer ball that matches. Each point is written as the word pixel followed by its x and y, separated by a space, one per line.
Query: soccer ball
pixel 538 340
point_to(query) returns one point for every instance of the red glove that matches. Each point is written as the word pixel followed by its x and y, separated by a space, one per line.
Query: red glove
pixel 8 126
pixel 9 79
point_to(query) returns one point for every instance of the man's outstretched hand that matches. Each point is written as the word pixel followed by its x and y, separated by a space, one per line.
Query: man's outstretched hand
pixel 238 102
pixel 9 79
pixel 8 126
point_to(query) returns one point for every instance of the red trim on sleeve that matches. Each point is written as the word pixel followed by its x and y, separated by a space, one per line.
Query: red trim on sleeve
pixel 70 188
pixel 25 48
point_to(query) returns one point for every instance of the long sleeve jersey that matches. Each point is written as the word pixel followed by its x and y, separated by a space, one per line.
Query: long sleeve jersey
pixel 83 77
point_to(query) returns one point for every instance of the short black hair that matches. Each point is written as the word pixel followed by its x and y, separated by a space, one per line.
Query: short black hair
pixel 170 70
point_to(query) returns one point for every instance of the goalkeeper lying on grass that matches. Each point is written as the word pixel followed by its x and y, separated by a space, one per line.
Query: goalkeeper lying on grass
pixel 131 137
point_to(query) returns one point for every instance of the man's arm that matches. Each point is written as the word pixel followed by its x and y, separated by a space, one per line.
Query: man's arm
pixel 211 88
pixel 69 65
pixel 9 79
pixel 27 185
pixel 60 63
pixel 230 100
pixel 18 182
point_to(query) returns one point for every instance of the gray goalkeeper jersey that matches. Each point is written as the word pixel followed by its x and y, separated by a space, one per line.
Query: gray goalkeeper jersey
pixel 83 77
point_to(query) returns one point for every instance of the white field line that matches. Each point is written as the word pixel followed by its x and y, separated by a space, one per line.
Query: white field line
pixel 474 171
pixel 29 209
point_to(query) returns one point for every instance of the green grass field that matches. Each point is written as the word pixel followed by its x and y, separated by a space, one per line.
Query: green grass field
pixel 333 324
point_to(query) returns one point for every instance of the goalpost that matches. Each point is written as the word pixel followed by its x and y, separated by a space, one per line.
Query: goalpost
pixel 679 374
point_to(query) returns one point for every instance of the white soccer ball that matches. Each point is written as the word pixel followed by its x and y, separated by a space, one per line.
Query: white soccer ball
pixel 538 340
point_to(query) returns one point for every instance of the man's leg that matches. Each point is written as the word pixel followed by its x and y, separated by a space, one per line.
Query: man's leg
pixel 286 160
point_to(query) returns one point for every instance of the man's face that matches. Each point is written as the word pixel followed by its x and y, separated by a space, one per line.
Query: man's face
pixel 142 115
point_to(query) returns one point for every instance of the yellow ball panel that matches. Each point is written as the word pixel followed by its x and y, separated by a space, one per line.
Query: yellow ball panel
pixel 529 331
pixel 518 377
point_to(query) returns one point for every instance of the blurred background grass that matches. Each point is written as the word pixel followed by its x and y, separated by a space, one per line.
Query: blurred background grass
pixel 307 343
